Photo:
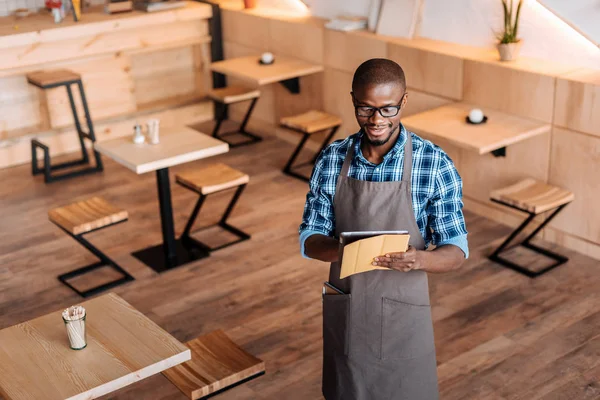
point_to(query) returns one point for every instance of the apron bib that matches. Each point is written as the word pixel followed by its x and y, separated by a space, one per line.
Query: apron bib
pixel 378 339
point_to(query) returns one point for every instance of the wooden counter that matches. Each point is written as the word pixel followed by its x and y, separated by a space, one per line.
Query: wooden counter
pixel 133 65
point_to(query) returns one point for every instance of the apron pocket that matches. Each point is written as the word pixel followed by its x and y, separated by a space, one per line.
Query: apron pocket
pixel 406 330
pixel 336 323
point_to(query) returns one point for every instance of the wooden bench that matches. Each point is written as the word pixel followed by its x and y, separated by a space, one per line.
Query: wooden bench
pixel 223 97
pixel 532 197
pixel 83 217
pixel 217 364
pixel 212 179
pixel 309 123
pixel 52 79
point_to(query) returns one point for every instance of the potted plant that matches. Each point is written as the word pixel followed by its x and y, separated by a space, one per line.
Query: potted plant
pixel 509 43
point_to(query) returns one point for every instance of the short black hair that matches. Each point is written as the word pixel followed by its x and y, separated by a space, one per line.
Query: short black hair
pixel 377 71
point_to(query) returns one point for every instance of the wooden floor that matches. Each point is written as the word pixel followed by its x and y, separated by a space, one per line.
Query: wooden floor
pixel 499 335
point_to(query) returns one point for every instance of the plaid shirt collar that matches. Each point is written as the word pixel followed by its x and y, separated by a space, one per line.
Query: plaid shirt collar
pixel 395 151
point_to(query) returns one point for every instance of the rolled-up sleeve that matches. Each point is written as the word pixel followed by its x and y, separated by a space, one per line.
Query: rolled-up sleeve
pixel 318 216
pixel 446 218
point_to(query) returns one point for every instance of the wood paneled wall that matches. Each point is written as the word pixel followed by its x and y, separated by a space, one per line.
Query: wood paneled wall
pixel 439 73
pixel 140 65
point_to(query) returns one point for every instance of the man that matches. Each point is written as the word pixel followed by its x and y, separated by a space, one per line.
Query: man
pixel 378 337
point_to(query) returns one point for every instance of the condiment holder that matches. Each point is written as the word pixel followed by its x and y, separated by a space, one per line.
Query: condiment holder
pixel 74 319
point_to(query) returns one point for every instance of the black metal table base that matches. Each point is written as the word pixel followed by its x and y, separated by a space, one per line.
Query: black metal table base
pixel 185 252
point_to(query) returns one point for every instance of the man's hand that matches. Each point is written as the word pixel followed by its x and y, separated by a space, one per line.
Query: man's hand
pixel 409 260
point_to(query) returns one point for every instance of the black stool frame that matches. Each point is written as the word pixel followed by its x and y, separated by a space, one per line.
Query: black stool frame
pixel 36 144
pixel 104 262
pixel 527 244
pixel 185 236
pixel 289 166
pixel 222 116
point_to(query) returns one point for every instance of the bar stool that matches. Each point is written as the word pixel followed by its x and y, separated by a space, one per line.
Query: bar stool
pixel 309 123
pixel 83 217
pixel 209 180
pixel 217 364
pixel 532 197
pixel 52 79
pixel 223 97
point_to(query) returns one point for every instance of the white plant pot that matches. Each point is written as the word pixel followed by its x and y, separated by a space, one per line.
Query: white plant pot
pixel 509 51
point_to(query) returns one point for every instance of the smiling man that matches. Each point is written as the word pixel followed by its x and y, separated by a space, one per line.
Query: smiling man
pixel 378 337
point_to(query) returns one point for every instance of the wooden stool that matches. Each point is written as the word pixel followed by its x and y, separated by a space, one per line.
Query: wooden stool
pixel 532 197
pixel 309 123
pixel 217 364
pixel 223 97
pixel 48 80
pixel 213 179
pixel 86 216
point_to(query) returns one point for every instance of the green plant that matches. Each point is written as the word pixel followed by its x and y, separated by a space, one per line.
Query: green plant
pixel 509 35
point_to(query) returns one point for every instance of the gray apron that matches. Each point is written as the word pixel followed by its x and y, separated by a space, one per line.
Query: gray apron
pixel 378 339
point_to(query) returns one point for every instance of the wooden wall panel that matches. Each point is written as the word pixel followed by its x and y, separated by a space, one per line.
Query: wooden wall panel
pixel 87 46
pixel 163 75
pixel 418 102
pixel 575 161
pixel 300 38
pixel 510 90
pixel 309 98
pixel 483 173
pixel 265 107
pixel 434 73
pixel 19 105
pixel 577 104
pixel 337 100
pixel 108 88
pixel 346 51
pixel 244 28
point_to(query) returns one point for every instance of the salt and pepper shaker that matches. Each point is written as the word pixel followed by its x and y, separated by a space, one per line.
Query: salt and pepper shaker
pixel 138 136
pixel 152 129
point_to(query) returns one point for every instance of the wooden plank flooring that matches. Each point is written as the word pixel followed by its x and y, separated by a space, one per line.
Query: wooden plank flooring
pixel 499 335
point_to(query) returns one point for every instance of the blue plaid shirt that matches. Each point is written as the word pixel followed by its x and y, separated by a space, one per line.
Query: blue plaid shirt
pixel 436 188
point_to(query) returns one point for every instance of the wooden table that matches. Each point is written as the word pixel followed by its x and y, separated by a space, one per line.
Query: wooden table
pixel 285 70
pixel 448 123
pixel 177 146
pixel 123 347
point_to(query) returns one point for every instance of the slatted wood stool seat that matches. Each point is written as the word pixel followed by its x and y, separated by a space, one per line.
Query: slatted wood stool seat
pixel 205 181
pixel 309 123
pixel 83 217
pixel 52 79
pixel 223 97
pixel 217 364
pixel 532 197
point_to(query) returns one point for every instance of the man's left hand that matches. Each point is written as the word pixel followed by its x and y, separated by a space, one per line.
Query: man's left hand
pixel 407 261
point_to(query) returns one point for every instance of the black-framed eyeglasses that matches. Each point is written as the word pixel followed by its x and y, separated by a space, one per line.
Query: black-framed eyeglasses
pixel 385 112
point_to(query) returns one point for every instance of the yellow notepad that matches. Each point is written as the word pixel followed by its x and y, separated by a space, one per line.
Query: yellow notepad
pixel 358 256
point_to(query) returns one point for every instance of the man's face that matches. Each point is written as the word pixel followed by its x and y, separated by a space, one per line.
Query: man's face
pixel 377 128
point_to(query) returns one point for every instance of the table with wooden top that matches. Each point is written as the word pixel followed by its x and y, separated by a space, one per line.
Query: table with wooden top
pixel 123 347
pixel 285 70
pixel 448 123
pixel 177 146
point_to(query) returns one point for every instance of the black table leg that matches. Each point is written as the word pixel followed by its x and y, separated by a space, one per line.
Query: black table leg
pixel 172 252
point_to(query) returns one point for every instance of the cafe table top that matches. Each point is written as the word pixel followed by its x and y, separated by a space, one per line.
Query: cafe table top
pixel 177 146
pixel 250 70
pixel 448 123
pixel 123 347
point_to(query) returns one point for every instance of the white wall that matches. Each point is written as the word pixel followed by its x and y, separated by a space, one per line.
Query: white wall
pixel 473 22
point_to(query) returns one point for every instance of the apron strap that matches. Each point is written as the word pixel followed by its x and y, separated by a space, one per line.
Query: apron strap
pixel 348 159
pixel 407 170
